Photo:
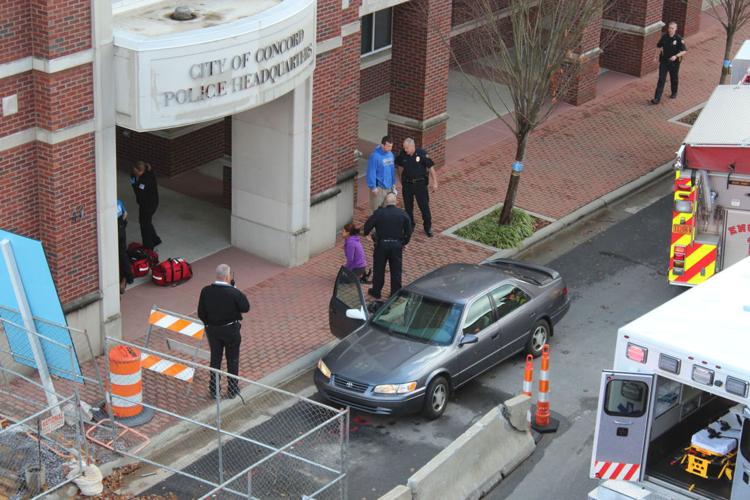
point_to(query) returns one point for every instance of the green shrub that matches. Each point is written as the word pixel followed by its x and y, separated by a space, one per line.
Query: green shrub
pixel 486 230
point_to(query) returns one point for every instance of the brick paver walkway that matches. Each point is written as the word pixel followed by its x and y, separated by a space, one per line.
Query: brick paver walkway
pixel 579 155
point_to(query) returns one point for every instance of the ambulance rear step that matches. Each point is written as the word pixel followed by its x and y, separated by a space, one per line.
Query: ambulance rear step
pixel 625 490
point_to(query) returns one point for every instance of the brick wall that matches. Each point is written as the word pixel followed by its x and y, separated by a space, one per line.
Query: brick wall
pixel 48 192
pixel 631 54
pixel 60 27
pixel 628 52
pixel 170 157
pixel 18 191
pixel 347 105
pixel 23 86
pixel 374 81
pixel 15 30
pixel 64 98
pixel 686 13
pixel 67 214
pixel 325 128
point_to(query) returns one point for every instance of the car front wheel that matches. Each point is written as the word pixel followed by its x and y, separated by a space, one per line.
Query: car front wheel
pixel 539 337
pixel 436 398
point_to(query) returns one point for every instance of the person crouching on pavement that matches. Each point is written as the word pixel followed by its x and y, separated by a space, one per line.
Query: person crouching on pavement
pixel 393 229
pixel 356 261
pixel 220 307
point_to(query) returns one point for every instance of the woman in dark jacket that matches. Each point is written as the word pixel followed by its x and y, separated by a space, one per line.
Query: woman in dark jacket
pixel 143 181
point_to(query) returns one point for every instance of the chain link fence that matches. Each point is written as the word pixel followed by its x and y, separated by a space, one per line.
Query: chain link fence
pixel 42 451
pixel 262 443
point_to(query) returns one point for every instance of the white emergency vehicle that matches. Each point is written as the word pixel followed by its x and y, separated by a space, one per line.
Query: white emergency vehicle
pixel 673 421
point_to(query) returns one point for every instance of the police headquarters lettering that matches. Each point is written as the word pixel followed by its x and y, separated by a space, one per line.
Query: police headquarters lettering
pixel 232 84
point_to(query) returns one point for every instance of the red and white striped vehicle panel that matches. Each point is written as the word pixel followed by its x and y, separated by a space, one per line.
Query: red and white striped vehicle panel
pixel 616 470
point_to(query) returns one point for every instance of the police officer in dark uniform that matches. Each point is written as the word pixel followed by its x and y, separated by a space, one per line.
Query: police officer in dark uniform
pixel 671 49
pixel 416 171
pixel 220 307
pixel 393 229
pixel 143 181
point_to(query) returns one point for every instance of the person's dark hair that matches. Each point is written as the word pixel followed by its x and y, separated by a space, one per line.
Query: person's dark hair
pixel 351 229
pixel 387 138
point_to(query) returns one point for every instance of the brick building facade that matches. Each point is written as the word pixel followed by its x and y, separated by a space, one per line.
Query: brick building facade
pixel 61 140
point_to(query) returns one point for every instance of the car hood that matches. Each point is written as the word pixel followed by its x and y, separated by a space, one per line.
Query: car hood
pixel 373 356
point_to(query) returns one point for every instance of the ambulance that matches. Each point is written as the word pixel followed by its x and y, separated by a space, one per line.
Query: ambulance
pixel 673 419
pixel 711 209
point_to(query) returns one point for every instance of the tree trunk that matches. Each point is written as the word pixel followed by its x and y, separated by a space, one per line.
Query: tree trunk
pixel 515 178
pixel 725 71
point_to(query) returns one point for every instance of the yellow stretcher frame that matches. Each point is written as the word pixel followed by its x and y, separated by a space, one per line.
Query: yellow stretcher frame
pixel 699 466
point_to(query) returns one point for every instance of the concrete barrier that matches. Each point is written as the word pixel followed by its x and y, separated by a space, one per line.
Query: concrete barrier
pixel 470 466
pixel 400 492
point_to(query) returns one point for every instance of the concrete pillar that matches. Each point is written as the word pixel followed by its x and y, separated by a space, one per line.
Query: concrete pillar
pixel 686 13
pixel 630 32
pixel 583 67
pixel 419 74
pixel 106 167
pixel 271 178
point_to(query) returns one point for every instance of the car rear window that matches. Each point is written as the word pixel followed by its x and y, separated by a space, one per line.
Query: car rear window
pixel 418 317
pixel 523 273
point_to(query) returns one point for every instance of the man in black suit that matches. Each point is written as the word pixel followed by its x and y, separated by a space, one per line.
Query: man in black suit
pixel 220 307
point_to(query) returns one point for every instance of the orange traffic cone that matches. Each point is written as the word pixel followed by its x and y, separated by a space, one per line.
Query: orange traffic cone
pixel 542 421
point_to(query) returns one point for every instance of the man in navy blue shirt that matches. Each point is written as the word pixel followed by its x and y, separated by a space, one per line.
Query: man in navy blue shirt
pixel 381 172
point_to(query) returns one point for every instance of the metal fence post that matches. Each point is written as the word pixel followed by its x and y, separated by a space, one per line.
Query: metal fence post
pixel 219 451
pixel 344 453
pixel 83 445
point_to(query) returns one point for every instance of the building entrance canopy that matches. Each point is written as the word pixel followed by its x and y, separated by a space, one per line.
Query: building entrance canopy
pixel 229 58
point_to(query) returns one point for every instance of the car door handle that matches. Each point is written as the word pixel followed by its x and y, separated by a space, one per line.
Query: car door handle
pixel 532 314
pixel 495 335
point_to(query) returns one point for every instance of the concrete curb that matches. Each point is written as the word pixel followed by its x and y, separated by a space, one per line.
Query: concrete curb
pixel 562 223
pixel 485 453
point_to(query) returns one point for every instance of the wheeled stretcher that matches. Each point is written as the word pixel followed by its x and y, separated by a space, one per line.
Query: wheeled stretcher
pixel 712 450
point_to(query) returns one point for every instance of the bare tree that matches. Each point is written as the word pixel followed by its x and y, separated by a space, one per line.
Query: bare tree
pixel 535 58
pixel 733 15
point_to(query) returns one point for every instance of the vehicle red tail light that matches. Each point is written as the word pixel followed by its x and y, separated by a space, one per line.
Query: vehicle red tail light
pixel 565 291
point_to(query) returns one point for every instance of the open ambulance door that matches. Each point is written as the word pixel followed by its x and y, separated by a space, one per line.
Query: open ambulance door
pixel 623 426
pixel 741 478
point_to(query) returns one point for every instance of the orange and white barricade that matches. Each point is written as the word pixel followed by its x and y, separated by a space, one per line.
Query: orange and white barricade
pixel 185 326
pixel 125 386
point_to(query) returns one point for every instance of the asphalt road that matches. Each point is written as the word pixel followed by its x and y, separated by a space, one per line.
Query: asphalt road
pixel 615 277
pixel 614 264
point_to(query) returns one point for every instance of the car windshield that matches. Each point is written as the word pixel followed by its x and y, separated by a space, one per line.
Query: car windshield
pixel 419 317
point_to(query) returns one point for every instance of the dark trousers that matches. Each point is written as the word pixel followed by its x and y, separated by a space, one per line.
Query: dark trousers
pixel 420 191
pixel 390 251
pixel 223 339
pixel 126 271
pixel 148 234
pixel 671 67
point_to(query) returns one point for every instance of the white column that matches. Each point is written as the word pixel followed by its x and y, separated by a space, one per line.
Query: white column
pixel 106 167
pixel 271 178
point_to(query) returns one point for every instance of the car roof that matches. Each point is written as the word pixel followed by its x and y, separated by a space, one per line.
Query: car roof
pixel 457 283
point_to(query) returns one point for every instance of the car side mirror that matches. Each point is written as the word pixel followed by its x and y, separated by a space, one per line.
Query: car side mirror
pixel 468 339
pixel 356 314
